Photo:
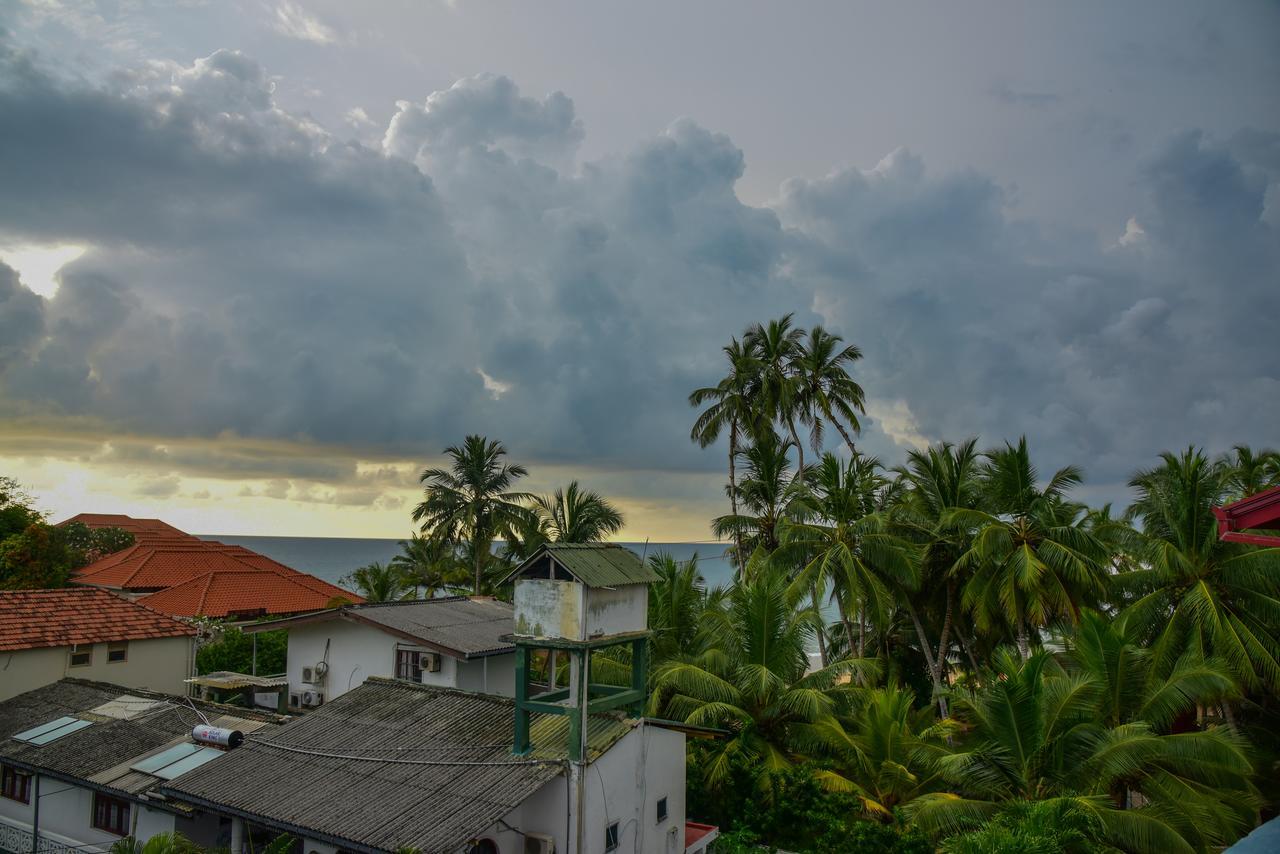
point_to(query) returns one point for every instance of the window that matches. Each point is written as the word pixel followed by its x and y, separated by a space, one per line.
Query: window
pixel 118 651
pixel 662 810
pixel 14 784
pixel 611 837
pixel 407 665
pixel 81 657
pixel 110 814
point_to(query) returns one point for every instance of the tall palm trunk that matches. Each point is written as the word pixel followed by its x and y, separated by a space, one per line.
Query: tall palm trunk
pixel 935 671
pixel 844 435
pixel 822 625
pixel 946 626
pixel 477 548
pixel 733 494
pixel 1024 641
pixel 795 437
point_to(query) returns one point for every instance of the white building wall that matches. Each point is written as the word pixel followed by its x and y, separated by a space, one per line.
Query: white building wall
pixel 149 822
pixel 624 786
pixel 616 611
pixel 355 653
pixel 157 663
pixel 66 816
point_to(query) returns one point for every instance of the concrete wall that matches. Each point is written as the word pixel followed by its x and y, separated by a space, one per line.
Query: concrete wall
pixel 356 652
pixel 625 784
pixel 546 608
pixel 160 664
pixel 616 611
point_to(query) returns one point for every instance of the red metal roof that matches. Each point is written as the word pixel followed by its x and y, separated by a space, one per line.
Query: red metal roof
pixel 1260 511
pixel 695 832
pixel 249 592
pixel 33 619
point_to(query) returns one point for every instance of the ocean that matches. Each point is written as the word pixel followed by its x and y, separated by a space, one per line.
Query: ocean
pixel 331 558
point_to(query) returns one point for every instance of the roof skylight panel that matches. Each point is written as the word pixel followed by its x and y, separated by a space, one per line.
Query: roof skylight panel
pixel 52 731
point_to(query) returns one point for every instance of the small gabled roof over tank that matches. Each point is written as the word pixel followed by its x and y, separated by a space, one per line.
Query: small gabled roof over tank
pixel 591 564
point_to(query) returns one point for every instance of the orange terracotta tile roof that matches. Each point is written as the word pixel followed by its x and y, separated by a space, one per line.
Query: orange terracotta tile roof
pixel 33 619
pixel 158 567
pixel 134 526
pixel 250 592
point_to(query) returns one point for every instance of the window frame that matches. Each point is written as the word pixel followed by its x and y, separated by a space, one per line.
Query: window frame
pixel 76 650
pixel 15 784
pixel 405 654
pixel 106 807
pixel 118 646
pixel 661 811
pixel 612 836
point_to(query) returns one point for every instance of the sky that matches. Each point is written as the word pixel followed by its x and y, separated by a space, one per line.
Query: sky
pixel 261 261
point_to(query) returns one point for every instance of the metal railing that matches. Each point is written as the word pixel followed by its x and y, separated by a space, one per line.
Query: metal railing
pixel 18 840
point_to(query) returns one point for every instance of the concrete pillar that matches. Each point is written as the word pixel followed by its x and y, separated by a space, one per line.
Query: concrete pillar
pixel 237 836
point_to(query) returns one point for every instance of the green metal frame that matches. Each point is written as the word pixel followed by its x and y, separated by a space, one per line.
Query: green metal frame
pixel 600 697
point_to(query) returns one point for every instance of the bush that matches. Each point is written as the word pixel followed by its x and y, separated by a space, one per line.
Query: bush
pixel 234 651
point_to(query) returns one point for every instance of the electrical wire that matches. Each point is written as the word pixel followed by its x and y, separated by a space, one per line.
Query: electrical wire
pixel 394 761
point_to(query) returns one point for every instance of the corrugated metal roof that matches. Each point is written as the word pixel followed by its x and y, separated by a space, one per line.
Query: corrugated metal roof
pixel 102 753
pixel 469 627
pixel 390 765
pixel 594 564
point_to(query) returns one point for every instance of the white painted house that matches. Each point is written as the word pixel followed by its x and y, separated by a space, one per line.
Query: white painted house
pixel 457 642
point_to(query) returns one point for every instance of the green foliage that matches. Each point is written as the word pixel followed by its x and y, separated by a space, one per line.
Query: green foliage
pixel 1034 827
pixel 161 843
pixel 380 583
pixel 35 554
pixel 234 652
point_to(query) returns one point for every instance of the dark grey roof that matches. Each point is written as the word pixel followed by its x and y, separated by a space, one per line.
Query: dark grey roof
pixel 461 626
pixel 593 564
pixel 101 754
pixel 469 627
pixel 388 765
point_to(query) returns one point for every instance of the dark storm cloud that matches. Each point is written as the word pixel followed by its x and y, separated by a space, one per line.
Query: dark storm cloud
pixel 251 275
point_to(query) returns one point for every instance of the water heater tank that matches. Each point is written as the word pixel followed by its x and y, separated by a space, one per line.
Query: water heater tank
pixel 227 738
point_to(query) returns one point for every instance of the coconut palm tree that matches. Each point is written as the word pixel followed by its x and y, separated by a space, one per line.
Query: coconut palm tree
pixel 753 682
pixel 765 492
pixel 1032 561
pixel 576 515
pixel 677 602
pixel 777 347
pixel 850 547
pixel 937 481
pixel 1192 590
pixel 826 390
pixel 472 501
pixel 732 411
pixel 430 563
pixel 892 751
pixel 1035 735
pixel 1249 472
pixel 379 583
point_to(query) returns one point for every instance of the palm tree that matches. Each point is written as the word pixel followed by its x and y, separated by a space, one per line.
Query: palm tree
pixel 826 391
pixel 892 751
pixel 937 481
pixel 1036 736
pixel 431 563
pixel 753 682
pixel 576 515
pixel 1249 472
pixel 677 602
pixel 766 491
pixel 732 411
pixel 849 545
pixel 777 347
pixel 1192 589
pixel 472 501
pixel 1032 561
pixel 378 583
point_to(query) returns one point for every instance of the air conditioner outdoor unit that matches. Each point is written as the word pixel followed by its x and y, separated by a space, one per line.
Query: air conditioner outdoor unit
pixel 311 699
pixel 429 662
pixel 539 843
pixel 314 674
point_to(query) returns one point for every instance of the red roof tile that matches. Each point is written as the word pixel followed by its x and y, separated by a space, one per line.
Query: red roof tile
pixel 245 593
pixel 158 567
pixel 32 619
pixel 134 526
